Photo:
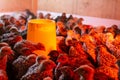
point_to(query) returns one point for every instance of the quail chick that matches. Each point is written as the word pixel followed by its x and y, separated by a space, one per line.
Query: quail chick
pixel 86 72
pixel 45 69
pixel 22 63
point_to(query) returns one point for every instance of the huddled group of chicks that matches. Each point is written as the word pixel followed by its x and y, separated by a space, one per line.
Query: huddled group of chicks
pixel 91 52
pixel 84 52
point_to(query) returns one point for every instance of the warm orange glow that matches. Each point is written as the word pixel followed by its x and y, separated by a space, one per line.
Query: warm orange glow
pixel 43 31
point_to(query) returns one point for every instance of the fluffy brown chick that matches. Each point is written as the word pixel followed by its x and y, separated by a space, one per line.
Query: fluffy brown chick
pixel 98 35
pixel 45 69
pixel 67 74
pixel 5 19
pixel 6 50
pixel 77 30
pixel 70 24
pixel 14 30
pixel 61 46
pixel 109 37
pixel 89 46
pixel 26 47
pixel 79 21
pixel 39 59
pixel 107 72
pixel 114 46
pixel 85 72
pixel 78 47
pixel 62 60
pixel 71 38
pixel 105 58
pixel 3 63
pixel 73 52
pixel 78 62
pixel 53 55
pixel 101 76
pixel 76 59
pixel 11 38
pixel 40 15
pixel 22 63
pixel 85 29
pixel 6 58
pixel 61 30
pixel 48 16
pixel 111 29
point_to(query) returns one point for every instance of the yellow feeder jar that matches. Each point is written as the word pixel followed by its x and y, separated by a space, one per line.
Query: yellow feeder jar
pixel 42 31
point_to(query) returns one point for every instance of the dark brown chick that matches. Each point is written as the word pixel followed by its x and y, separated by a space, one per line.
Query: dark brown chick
pixel 5 19
pixel 22 63
pixel 111 29
pixel 14 30
pixel 85 29
pixel 40 15
pixel 85 72
pixel 70 24
pixel 11 38
pixel 61 46
pixel 77 30
pixel 63 60
pixel 53 55
pixel 26 47
pixel 48 16
pixel 80 21
pixel 7 28
pixel 67 74
pixel 45 69
pixel 39 59
pixel 61 18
